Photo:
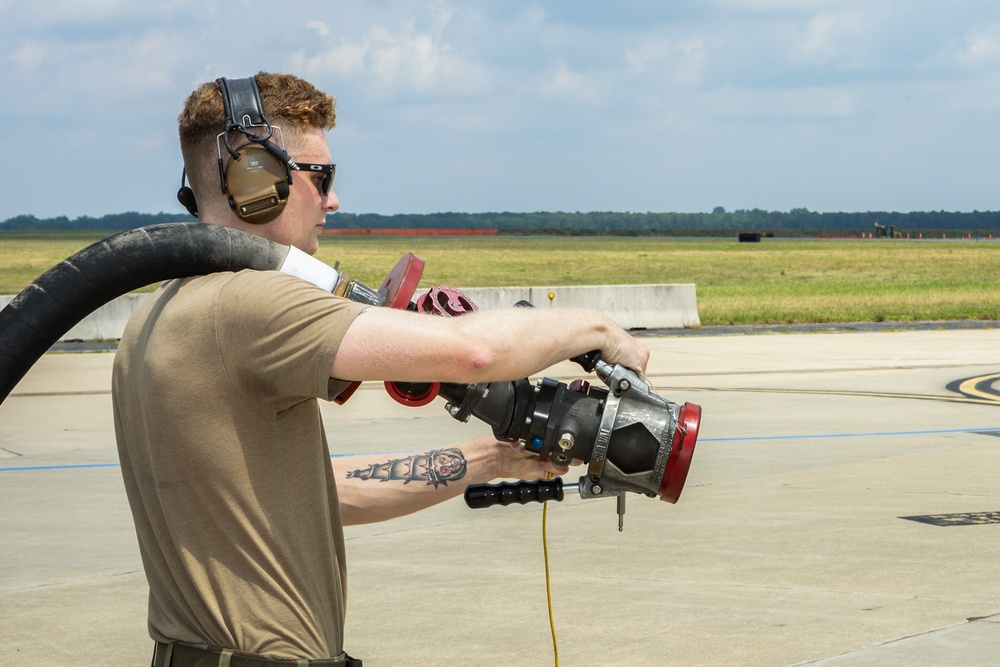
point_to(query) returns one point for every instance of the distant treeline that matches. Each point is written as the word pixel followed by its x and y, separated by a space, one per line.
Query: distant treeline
pixel 797 222
pixel 110 222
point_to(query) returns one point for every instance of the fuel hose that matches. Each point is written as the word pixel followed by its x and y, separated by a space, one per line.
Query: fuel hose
pixel 83 282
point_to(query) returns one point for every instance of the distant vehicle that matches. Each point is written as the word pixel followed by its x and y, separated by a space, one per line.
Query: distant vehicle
pixel 888 232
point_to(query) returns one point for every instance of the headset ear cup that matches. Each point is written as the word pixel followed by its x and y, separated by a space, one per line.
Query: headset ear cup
pixel 257 183
pixel 186 197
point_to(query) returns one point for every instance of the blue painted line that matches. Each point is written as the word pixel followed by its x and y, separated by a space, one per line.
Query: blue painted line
pixel 64 467
pixel 881 434
pixel 815 436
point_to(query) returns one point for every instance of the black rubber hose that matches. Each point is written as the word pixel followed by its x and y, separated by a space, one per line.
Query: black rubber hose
pixel 80 284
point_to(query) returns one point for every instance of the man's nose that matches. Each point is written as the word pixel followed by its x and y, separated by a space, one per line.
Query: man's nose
pixel 330 201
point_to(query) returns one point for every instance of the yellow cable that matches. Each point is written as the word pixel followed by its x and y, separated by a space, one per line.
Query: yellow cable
pixel 548 580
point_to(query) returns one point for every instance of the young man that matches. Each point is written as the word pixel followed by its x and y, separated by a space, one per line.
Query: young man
pixel 237 503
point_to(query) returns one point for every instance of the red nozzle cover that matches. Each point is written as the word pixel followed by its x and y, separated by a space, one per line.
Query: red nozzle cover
pixel 688 422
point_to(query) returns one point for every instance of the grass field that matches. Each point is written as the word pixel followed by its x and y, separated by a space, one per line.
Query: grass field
pixel 776 281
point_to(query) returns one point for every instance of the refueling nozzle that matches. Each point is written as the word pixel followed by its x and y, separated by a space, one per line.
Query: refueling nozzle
pixel 631 439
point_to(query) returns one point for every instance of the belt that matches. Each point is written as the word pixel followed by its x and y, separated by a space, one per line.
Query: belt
pixel 177 654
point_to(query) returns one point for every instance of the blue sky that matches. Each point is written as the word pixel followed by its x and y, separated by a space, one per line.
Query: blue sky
pixel 641 105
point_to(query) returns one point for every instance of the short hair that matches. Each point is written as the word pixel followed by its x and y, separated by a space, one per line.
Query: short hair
pixel 290 103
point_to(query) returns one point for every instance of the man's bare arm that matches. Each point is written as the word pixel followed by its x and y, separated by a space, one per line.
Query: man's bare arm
pixel 384 486
pixel 504 344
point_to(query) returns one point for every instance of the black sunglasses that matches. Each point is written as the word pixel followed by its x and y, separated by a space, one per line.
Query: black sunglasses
pixel 328 171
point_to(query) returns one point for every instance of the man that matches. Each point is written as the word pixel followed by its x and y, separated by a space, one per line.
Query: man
pixel 237 503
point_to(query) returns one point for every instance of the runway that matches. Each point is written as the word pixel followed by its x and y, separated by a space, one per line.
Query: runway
pixel 843 508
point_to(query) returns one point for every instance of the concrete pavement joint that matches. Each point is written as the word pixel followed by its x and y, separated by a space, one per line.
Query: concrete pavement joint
pixel 811 370
pixel 889 642
pixel 874 434
pixel 812 327
pixel 75 581
pixel 46 394
pixel 832 392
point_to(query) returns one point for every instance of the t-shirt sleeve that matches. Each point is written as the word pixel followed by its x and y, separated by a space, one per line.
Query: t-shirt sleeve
pixel 278 336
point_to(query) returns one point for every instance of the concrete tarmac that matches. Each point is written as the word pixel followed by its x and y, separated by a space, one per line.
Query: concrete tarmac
pixel 843 508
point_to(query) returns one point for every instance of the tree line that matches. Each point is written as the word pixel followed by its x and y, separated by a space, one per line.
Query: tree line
pixel 110 222
pixel 796 222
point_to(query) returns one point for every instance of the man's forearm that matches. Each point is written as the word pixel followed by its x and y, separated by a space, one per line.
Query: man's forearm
pixel 505 344
pixel 379 487
pixel 384 486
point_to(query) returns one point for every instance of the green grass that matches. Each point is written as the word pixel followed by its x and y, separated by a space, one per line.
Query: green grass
pixel 26 255
pixel 776 281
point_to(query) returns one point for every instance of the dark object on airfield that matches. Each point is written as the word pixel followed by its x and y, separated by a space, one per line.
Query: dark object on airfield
pixel 887 232
pixel 750 237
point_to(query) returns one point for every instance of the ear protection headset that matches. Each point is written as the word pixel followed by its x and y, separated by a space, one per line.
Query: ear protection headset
pixel 258 174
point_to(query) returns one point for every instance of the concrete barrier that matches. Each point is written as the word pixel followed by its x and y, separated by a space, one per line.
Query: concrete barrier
pixel 105 323
pixel 631 306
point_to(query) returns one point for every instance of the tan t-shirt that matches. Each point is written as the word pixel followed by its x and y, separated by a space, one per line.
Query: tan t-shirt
pixel 226 464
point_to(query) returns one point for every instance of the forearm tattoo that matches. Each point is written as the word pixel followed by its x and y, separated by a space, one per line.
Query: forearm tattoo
pixel 438 466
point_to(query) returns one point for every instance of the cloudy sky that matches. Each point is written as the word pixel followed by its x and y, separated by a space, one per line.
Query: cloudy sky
pixel 508 105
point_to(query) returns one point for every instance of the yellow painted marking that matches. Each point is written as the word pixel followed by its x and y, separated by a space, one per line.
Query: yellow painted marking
pixel 969 387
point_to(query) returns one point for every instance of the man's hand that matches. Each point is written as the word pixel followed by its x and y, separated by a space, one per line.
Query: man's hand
pixel 513 461
pixel 622 348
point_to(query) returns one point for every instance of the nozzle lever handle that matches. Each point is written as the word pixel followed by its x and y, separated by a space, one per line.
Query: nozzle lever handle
pixel 588 360
pixel 480 496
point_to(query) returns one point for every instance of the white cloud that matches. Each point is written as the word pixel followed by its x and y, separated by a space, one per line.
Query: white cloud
pixel 773 7
pixel 103 12
pixel 29 57
pixel 678 60
pixel 981 47
pixel 396 63
pixel 566 85
pixel 829 36
pixel 319 27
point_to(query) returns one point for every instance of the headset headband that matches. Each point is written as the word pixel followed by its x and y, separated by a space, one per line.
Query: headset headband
pixel 241 100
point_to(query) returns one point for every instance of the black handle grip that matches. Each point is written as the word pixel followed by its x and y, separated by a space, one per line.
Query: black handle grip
pixel 589 360
pixel 479 496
